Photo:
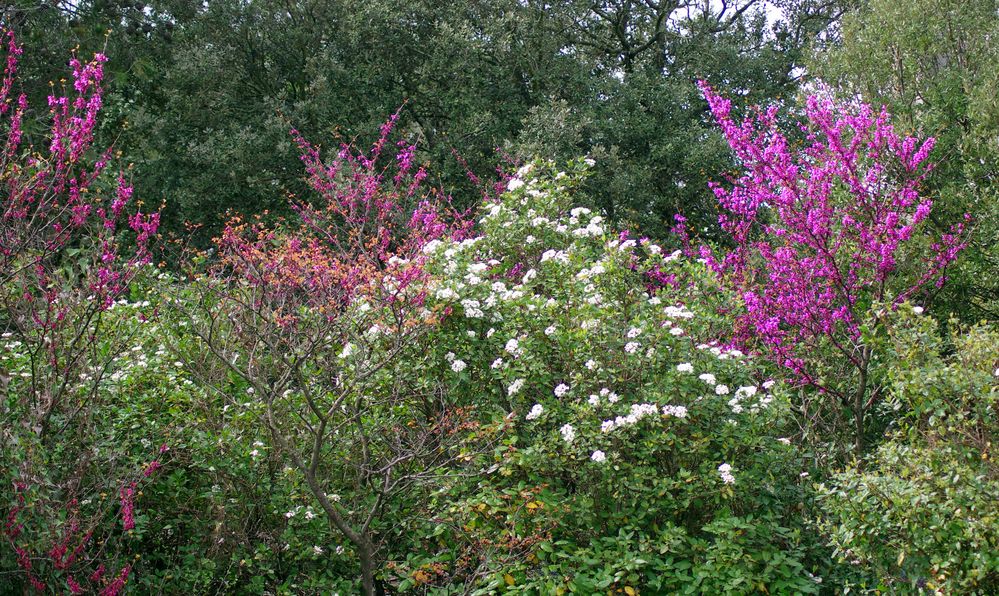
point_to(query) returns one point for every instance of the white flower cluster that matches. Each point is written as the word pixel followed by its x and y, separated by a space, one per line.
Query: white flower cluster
pixel 594 399
pixel 535 412
pixel 675 411
pixel 678 312
pixel 473 309
pixel 559 256
pixel 446 294
pixel 725 473
pixel 591 272
pixel 637 412
pixel 721 354
pixel 744 394
pixel 593 228
pixel 124 302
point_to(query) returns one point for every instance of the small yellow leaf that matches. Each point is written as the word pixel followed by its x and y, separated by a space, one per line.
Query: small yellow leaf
pixel 630 591
pixel 509 579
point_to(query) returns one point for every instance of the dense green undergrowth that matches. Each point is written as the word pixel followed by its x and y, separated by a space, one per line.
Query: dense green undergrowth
pixel 600 440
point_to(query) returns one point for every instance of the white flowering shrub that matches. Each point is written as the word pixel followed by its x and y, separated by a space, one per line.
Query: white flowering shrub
pixel 636 453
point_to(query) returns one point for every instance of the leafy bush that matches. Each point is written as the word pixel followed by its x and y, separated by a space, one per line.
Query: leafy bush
pixel 921 512
pixel 637 452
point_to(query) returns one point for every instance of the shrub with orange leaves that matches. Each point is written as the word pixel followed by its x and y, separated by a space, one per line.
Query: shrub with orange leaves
pixel 313 318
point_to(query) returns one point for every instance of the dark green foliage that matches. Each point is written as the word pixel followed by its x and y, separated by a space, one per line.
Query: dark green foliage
pixel 206 93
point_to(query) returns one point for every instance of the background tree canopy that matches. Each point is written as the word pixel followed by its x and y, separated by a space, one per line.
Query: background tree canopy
pixel 204 93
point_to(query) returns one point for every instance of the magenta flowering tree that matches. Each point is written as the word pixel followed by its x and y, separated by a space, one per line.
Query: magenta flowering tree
pixel 65 224
pixel 312 319
pixel 62 262
pixel 827 236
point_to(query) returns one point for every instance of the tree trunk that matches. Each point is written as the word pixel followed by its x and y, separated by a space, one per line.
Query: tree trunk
pixel 364 552
pixel 859 407
pixel 360 540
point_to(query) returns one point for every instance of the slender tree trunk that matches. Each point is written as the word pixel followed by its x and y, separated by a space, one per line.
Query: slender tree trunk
pixel 859 419
pixel 859 406
pixel 364 552
pixel 360 540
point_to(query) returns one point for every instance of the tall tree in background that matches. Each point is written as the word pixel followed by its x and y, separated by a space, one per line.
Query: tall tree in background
pixel 938 75
pixel 644 120
pixel 209 90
